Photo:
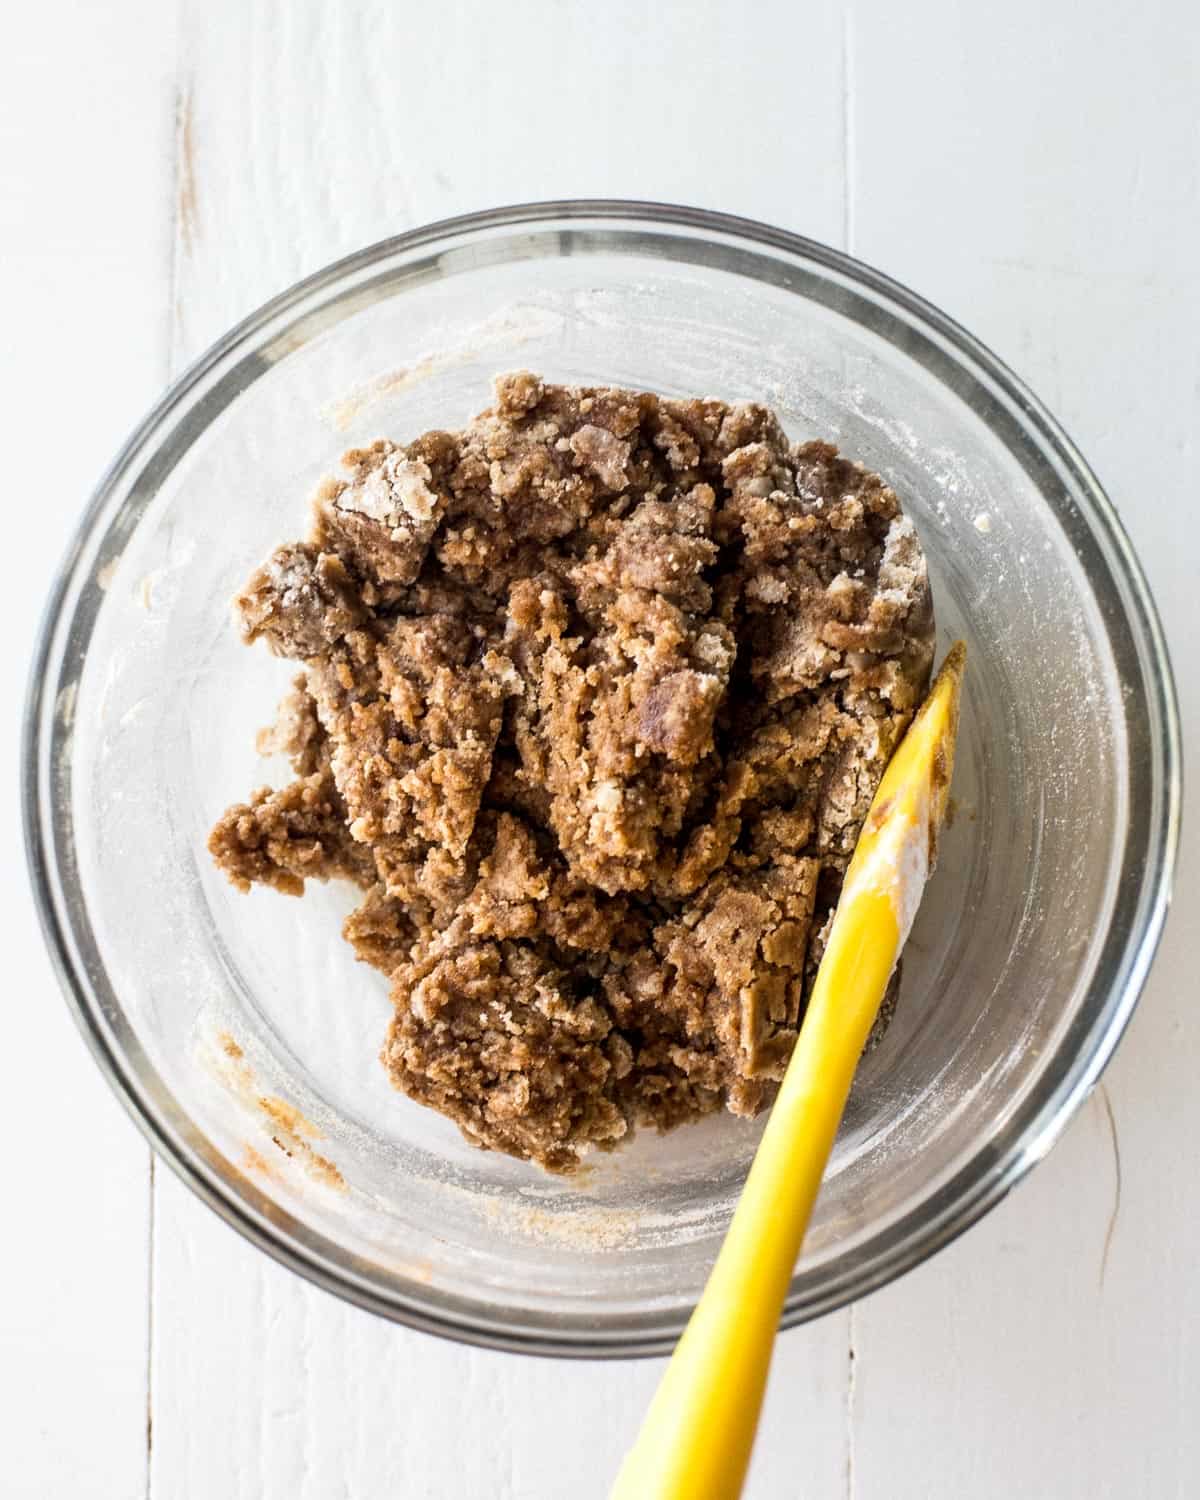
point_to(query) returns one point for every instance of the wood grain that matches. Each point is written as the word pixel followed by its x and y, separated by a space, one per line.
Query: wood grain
pixel 83 224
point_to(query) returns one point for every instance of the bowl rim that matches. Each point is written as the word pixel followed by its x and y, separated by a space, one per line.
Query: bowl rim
pixel 998 1163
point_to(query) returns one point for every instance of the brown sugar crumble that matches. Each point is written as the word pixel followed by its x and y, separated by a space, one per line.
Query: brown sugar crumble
pixel 595 696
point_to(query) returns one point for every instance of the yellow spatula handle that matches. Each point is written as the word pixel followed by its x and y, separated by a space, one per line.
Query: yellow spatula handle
pixel 696 1439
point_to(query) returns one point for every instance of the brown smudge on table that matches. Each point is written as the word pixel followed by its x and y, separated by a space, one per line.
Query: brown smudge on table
pixel 187 218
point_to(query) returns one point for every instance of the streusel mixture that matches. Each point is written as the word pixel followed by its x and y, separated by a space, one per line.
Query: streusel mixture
pixel 594 697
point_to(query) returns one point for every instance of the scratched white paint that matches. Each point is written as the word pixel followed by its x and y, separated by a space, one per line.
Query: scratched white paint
pixel 1034 169
pixel 85 163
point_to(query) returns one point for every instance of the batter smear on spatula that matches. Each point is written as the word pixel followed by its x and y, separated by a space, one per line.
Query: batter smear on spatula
pixel 595 695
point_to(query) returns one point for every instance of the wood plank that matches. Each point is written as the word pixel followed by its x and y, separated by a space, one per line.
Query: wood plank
pixel 1001 168
pixel 306 133
pixel 82 219
pixel 403 115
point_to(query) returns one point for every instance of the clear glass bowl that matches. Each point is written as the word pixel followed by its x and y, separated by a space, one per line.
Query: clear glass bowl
pixel 239 1030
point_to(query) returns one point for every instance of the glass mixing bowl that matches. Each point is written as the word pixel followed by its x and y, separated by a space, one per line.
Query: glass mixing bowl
pixel 240 1031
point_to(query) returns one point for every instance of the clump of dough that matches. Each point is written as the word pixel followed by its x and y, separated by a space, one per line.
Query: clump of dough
pixel 595 696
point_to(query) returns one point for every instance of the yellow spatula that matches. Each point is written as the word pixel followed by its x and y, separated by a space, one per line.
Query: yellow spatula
pixel 695 1442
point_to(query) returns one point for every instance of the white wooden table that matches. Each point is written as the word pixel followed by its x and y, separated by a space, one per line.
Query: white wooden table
pixel 1035 169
